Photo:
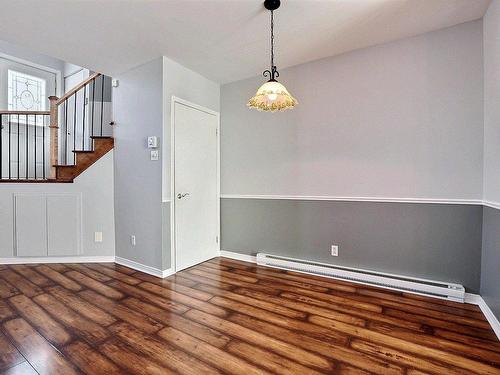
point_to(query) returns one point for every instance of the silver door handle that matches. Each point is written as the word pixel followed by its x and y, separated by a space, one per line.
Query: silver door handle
pixel 180 196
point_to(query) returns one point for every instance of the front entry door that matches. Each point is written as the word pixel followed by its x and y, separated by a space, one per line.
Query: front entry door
pixel 196 200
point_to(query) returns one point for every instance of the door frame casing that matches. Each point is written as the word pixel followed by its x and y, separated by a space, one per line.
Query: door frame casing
pixel 173 245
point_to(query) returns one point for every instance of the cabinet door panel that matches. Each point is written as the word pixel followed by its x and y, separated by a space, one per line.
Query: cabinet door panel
pixel 31 229
pixel 63 225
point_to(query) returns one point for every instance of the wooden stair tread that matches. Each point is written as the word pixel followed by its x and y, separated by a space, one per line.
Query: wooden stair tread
pixel 100 137
pixel 85 158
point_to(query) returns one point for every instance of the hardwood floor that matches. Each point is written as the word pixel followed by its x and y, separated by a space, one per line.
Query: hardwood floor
pixel 230 317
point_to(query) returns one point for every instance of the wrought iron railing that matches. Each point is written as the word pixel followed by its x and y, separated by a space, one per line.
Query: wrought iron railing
pixel 82 115
pixel 24 145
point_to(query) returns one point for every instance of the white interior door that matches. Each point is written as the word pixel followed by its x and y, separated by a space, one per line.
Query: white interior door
pixel 196 184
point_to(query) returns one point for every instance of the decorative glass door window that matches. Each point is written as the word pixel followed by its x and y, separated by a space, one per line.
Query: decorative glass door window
pixel 26 93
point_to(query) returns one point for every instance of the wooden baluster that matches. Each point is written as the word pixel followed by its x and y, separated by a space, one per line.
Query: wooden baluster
pixel 54 135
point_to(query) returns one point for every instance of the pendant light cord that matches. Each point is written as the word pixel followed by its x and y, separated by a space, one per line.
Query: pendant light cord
pixel 272 40
pixel 273 72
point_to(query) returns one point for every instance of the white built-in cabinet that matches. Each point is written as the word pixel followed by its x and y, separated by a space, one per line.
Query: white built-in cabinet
pixel 47 225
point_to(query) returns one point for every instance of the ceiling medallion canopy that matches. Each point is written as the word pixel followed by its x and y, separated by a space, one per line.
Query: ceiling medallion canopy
pixel 272 96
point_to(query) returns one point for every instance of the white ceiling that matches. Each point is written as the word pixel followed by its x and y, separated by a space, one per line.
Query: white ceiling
pixel 225 40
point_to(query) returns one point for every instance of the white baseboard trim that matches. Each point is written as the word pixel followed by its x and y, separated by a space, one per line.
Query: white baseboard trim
pixel 492 319
pixel 238 256
pixel 90 259
pixel 167 273
pixel 143 268
pixel 72 259
pixel 474 299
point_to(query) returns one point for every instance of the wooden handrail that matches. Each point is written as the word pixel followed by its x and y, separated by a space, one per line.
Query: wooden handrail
pixel 25 113
pixel 77 88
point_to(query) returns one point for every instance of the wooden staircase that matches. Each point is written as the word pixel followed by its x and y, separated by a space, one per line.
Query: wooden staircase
pixel 73 136
pixel 84 159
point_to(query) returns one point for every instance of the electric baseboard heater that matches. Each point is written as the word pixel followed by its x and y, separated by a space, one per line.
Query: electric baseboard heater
pixel 430 288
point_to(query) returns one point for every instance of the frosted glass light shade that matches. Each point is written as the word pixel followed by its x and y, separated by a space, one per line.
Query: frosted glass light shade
pixel 272 96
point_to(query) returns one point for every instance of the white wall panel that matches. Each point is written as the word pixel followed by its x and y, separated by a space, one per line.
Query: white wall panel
pixel 30 225
pixel 94 186
pixel 63 225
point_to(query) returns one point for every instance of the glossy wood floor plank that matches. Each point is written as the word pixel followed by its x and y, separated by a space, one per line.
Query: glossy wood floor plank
pixel 72 320
pixel 427 351
pixel 22 284
pixel 272 362
pixel 30 274
pixel 40 354
pixel 51 329
pixel 114 274
pixel 5 311
pixel 304 357
pixel 95 285
pixel 323 308
pixel 122 312
pixel 91 312
pixel 161 351
pixel 215 356
pixel 89 361
pixel 336 349
pixel 7 290
pixel 131 360
pixel 225 316
pixel 187 291
pixel 87 271
pixel 457 347
pixel 59 278
pixel 20 369
pixel 194 329
pixel 9 355
pixel 265 304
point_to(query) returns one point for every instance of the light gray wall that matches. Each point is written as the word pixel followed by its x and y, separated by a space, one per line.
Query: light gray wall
pixel 439 242
pixel 69 69
pixel 490 276
pixel 137 105
pixel 492 103
pixel 29 55
pixel 403 119
pixel 400 120
pixel 95 186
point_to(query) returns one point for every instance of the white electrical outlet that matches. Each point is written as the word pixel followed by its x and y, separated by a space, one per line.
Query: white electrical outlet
pixel 155 155
pixel 97 236
pixel 132 240
pixel 335 250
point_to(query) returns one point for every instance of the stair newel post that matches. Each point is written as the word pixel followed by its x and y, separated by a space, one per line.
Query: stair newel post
pixel 54 135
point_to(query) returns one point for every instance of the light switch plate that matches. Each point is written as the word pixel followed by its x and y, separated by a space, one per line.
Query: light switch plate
pixel 155 155
pixel 152 142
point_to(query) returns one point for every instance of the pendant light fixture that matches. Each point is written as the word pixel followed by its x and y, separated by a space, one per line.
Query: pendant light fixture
pixel 272 96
